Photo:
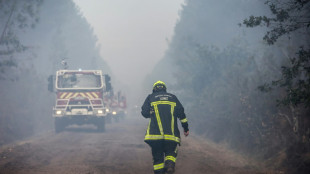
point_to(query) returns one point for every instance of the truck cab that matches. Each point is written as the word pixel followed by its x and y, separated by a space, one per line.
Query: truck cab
pixel 79 98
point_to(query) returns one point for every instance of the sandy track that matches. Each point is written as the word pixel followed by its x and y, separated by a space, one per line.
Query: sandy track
pixel 119 150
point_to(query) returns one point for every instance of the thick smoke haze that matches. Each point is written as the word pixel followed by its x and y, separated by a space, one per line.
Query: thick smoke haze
pixel 132 35
pixel 61 33
pixel 237 89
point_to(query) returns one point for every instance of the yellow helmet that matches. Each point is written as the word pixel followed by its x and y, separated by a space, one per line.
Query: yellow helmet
pixel 159 85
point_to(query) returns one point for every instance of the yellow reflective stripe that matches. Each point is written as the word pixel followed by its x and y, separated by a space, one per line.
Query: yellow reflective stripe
pixel 76 94
pixel 160 126
pixel 172 104
pixel 159 166
pixel 148 128
pixel 68 96
pixel 154 137
pixel 90 96
pixel 184 120
pixel 172 119
pixel 171 158
pixel 94 94
pixel 172 137
pixel 164 102
pixel 162 137
pixel 62 96
pixel 82 94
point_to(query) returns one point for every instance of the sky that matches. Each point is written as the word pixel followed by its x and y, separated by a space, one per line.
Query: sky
pixel 133 35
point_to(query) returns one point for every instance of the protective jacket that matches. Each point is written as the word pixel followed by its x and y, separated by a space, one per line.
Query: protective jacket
pixel 163 109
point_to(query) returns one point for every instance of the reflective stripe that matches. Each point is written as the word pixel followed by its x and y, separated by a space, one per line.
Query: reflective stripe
pixel 94 94
pixel 172 105
pixel 83 95
pixel 62 95
pixel 148 128
pixel 171 158
pixel 184 120
pixel 159 166
pixel 76 94
pixel 90 96
pixel 163 102
pixel 172 137
pixel 160 126
pixel 172 119
pixel 68 96
pixel 162 137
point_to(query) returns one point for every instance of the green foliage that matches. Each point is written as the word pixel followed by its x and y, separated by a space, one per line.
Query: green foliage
pixel 15 17
pixel 289 16
pixel 220 86
pixel 295 79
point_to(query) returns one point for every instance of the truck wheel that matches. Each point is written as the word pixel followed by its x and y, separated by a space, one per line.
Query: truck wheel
pixel 116 117
pixel 108 118
pixel 59 125
pixel 101 124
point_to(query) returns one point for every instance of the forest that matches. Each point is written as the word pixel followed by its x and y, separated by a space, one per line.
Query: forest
pixel 241 70
pixel 244 79
pixel 36 36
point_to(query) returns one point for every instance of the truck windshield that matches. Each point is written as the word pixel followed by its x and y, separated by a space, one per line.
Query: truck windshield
pixel 79 81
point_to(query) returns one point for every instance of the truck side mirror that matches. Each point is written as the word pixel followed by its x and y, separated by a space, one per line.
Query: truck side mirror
pixel 107 82
pixel 50 86
pixel 109 86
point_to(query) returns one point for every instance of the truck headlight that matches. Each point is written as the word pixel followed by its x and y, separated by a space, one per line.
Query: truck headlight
pixel 58 112
pixel 107 110
pixel 114 112
pixel 100 111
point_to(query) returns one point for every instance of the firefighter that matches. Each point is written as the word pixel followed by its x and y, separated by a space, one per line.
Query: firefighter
pixel 163 135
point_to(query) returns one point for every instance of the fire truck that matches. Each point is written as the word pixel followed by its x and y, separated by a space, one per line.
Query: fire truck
pixel 79 98
pixel 117 106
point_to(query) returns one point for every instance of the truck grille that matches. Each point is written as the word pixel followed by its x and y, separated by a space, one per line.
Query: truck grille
pixel 79 107
pixel 79 102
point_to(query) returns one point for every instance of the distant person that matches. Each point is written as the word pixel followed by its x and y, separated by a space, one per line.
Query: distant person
pixel 163 134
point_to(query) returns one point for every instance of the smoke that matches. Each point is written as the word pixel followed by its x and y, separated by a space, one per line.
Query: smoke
pixel 61 34
pixel 215 66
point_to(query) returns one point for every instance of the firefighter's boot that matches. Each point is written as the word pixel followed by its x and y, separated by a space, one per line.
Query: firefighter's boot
pixel 169 167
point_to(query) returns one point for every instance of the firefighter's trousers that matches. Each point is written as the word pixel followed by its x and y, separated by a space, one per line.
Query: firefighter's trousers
pixel 164 155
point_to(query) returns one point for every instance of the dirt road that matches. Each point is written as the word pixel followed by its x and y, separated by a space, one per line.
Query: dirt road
pixel 119 150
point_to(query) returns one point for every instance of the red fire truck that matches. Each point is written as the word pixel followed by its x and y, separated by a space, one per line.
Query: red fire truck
pixel 118 106
pixel 79 98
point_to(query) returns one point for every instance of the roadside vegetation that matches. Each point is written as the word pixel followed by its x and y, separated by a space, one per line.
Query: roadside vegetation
pixel 36 36
pixel 248 88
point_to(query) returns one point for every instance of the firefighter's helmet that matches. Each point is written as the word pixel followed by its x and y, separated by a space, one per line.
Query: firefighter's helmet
pixel 159 85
